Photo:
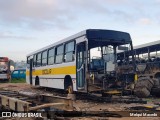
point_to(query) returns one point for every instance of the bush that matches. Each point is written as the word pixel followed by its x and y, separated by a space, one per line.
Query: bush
pixel 20 80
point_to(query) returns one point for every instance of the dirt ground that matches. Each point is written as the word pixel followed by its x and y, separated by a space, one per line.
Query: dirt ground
pixel 83 105
pixel 14 86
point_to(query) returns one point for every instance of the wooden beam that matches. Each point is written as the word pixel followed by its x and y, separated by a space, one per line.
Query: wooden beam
pixel 45 106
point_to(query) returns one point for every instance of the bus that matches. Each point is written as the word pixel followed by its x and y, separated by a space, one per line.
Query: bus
pixel 4 68
pixel 83 62
pixel 147 62
pixel 147 59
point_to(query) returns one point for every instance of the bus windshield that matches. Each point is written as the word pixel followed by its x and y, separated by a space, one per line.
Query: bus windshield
pixel 3 66
pixel 105 58
pixel 107 43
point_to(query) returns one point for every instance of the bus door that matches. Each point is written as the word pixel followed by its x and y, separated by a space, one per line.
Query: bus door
pixel 80 64
pixel 30 69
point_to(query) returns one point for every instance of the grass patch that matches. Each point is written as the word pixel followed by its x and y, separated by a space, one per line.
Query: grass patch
pixel 21 80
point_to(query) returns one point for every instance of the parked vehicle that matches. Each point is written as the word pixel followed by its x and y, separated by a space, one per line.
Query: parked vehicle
pixel 4 68
pixel 147 63
pixel 18 74
pixel 72 64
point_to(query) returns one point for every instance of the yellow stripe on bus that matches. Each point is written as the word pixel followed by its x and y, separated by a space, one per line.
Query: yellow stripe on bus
pixel 54 71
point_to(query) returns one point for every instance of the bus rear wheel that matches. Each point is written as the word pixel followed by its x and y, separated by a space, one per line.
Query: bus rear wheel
pixel 37 81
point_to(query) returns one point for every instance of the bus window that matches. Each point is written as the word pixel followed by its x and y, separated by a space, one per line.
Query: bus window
pixel 59 54
pixel 44 58
pixel 51 56
pixel 38 63
pixel 34 60
pixel 28 60
pixel 69 52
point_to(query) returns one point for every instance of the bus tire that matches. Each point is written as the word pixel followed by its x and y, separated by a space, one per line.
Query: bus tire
pixel 36 81
pixel 68 85
pixel 157 76
pixel 143 87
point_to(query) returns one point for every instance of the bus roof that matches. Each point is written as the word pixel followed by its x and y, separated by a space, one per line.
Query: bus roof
pixel 109 36
pixel 98 38
pixel 148 44
pixel 140 49
pixel 153 46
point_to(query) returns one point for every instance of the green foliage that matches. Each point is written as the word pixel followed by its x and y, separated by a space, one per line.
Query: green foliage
pixel 21 80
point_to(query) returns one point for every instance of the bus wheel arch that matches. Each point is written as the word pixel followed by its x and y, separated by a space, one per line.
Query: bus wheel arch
pixel 36 80
pixel 68 85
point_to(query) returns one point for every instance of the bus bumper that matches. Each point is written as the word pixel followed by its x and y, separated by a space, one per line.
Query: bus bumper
pixel 3 76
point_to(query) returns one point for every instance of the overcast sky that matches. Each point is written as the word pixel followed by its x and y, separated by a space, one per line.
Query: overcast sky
pixel 27 25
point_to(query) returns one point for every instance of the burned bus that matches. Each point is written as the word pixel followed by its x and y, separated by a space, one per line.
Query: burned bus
pixel 86 62
pixel 147 67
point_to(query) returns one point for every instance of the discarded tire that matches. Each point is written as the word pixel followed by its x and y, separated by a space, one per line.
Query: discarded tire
pixel 141 93
pixel 143 87
pixel 156 83
pixel 155 92
pixel 156 88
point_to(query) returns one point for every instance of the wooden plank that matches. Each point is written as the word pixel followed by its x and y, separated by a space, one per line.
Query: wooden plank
pixel 18 104
pixel 45 106
pixel 14 103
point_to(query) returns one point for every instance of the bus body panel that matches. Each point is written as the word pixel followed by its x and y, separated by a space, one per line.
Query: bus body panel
pixel 53 75
pixel 55 79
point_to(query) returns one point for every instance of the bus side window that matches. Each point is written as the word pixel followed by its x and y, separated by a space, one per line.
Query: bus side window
pixel 59 54
pixel 34 60
pixel 28 62
pixel 51 56
pixel 38 61
pixel 69 51
pixel 44 58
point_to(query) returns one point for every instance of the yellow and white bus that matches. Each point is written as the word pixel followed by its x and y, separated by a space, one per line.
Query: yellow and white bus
pixel 71 62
